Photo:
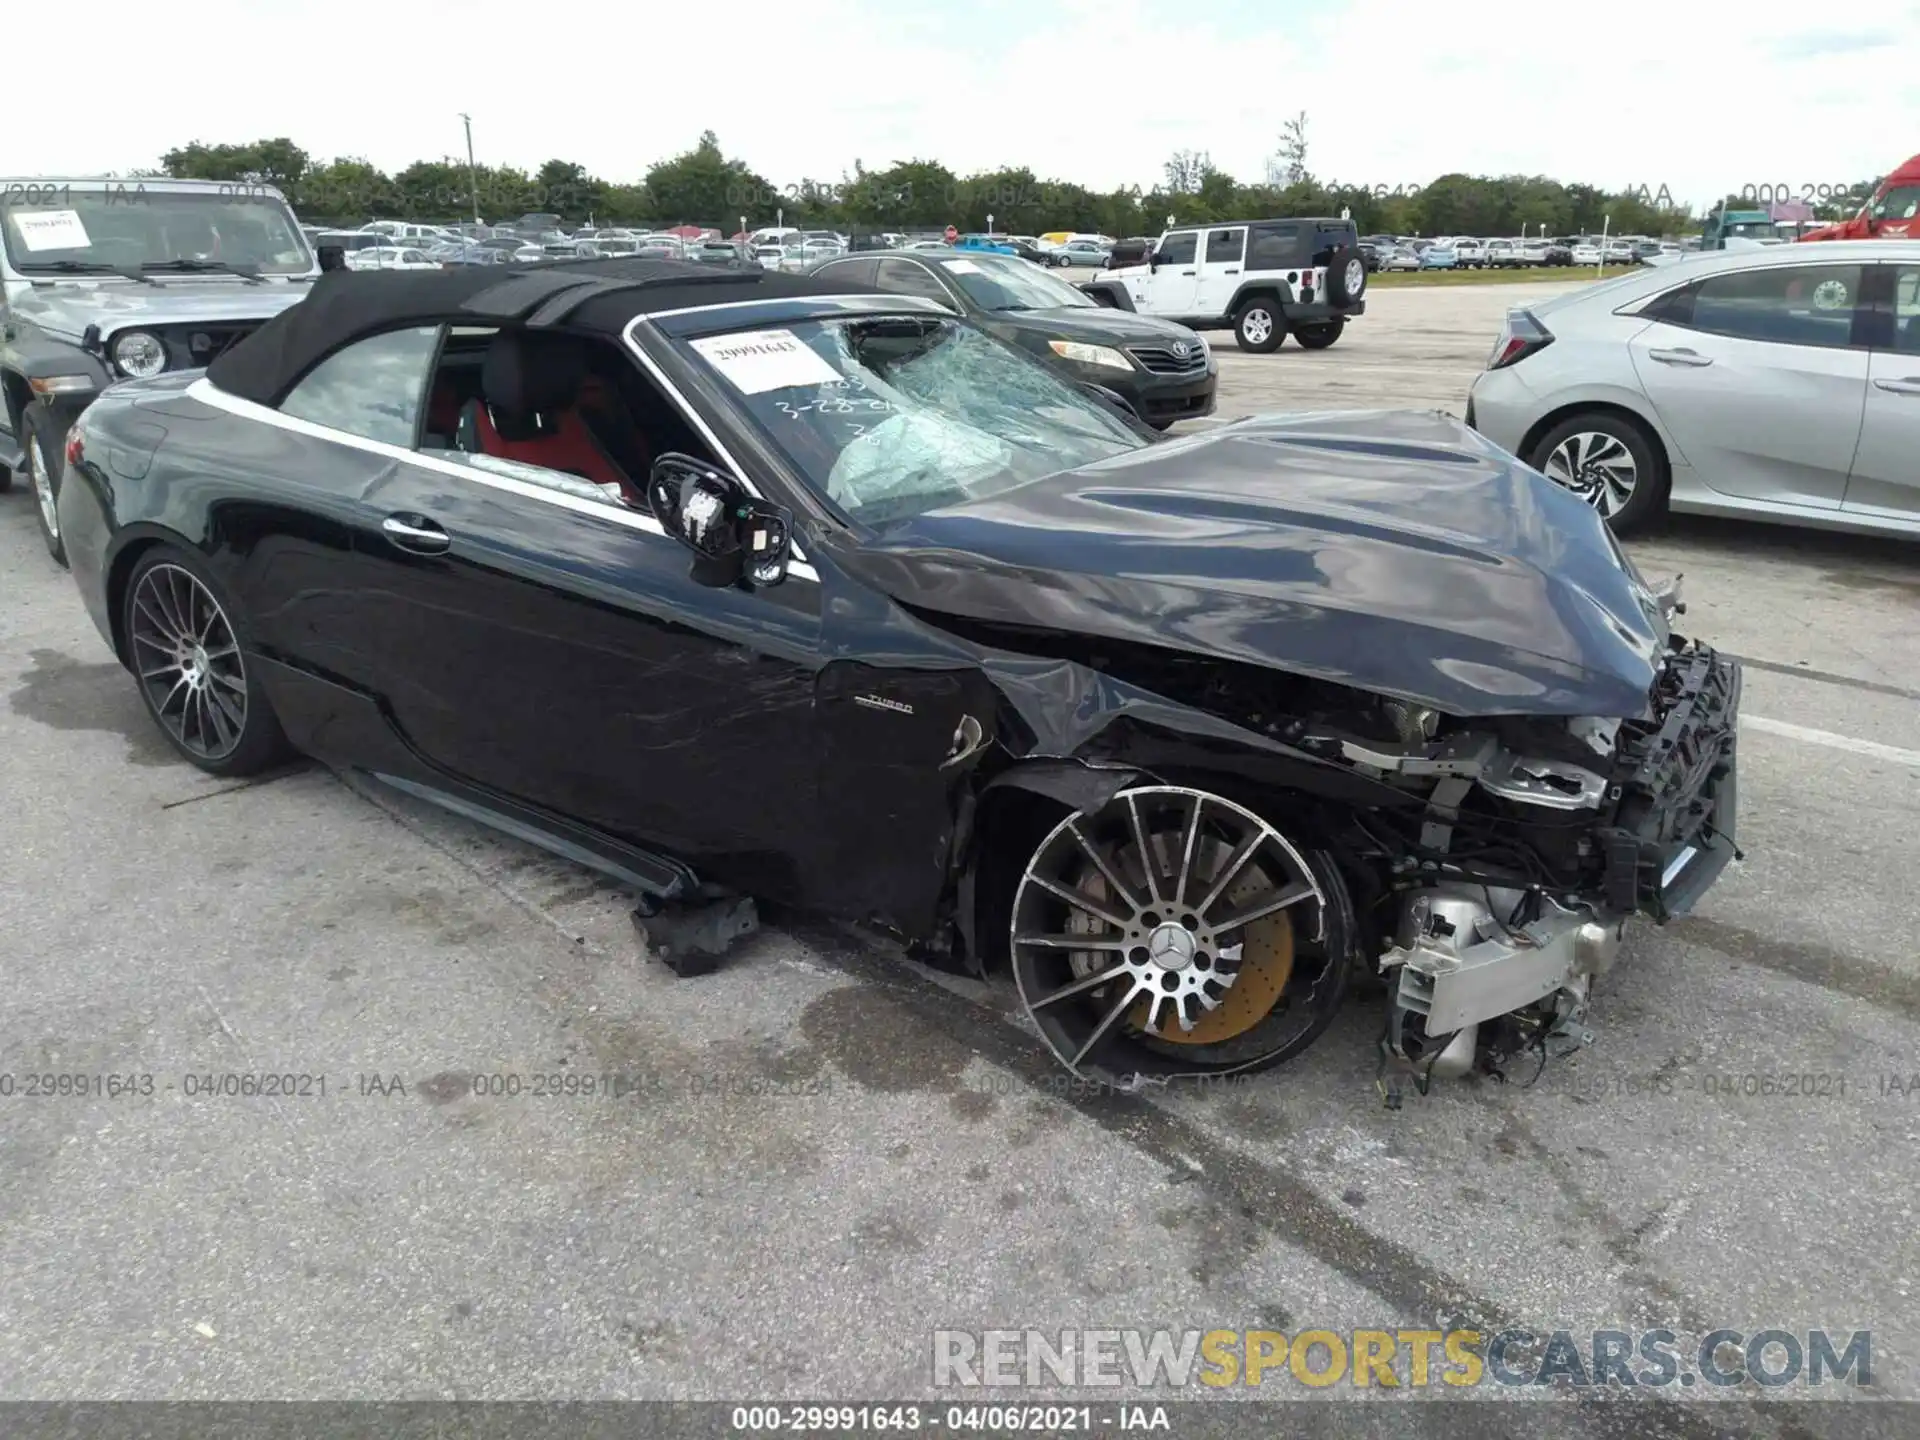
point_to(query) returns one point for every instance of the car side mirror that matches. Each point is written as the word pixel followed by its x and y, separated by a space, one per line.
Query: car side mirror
pixel 1112 398
pixel 1123 408
pixel 736 538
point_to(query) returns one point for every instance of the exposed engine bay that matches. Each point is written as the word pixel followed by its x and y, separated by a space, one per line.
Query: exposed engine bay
pixel 1528 863
pixel 1488 902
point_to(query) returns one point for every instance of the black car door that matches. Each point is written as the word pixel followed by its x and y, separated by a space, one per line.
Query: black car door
pixel 548 644
pixel 285 547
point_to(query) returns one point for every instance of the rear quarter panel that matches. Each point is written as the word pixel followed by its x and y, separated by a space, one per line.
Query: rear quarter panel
pixel 269 510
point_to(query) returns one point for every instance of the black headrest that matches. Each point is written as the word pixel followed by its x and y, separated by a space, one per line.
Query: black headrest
pixel 529 374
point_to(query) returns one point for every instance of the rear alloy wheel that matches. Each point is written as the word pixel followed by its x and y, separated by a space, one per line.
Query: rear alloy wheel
pixel 1607 461
pixel 42 456
pixel 1174 932
pixel 1320 336
pixel 1260 327
pixel 187 656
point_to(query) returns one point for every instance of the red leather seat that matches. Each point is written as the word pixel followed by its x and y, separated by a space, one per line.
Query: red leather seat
pixel 443 410
pixel 531 387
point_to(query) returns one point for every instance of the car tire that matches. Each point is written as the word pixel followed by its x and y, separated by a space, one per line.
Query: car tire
pixel 1582 454
pixel 43 458
pixel 1320 336
pixel 225 723
pixel 1260 326
pixel 1344 284
pixel 1309 994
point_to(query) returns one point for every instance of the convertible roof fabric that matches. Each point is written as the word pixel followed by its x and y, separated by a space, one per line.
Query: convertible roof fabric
pixel 348 305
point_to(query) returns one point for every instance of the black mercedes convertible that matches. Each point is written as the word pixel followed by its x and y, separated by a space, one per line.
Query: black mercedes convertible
pixel 750 583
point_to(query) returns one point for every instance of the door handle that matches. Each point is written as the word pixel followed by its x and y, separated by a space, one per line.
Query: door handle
pixel 1682 356
pixel 1908 386
pixel 1186 272
pixel 415 533
pixel 1234 271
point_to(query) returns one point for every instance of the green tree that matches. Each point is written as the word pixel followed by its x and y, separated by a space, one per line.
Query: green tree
pixel 703 186
pixel 277 162
pixel 347 191
pixel 706 186
pixel 1290 163
pixel 1185 170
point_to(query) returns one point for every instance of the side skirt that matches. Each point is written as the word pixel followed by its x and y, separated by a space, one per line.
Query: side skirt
pixel 343 726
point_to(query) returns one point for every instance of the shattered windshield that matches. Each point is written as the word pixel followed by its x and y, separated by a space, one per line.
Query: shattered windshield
pixel 128 227
pixel 890 417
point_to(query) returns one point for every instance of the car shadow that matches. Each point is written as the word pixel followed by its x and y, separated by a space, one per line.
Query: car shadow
pixel 1841 553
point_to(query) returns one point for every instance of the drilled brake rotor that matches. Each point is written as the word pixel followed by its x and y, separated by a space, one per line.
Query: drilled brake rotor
pixel 1249 979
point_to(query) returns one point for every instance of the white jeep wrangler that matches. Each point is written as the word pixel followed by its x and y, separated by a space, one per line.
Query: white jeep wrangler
pixel 1263 278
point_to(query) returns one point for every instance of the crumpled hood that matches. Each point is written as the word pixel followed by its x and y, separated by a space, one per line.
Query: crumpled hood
pixel 1397 552
pixel 68 308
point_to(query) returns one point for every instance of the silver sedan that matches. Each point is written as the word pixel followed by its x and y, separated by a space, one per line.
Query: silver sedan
pixel 1778 384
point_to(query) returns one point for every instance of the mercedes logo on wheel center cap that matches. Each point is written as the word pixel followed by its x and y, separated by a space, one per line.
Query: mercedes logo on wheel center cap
pixel 1170 946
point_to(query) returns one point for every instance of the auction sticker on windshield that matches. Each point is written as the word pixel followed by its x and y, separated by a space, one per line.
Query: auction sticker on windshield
pixel 763 360
pixel 52 230
pixel 961 267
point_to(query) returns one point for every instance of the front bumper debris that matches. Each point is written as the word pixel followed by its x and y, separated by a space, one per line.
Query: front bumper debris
pixel 1464 957
pixel 1674 830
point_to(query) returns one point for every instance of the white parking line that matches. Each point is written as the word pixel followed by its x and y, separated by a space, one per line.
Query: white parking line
pixel 1872 748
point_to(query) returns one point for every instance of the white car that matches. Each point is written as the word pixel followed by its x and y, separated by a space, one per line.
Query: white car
pixel 1619 251
pixel 406 232
pixel 390 257
pixel 1777 383
pixel 1587 252
pixel 1401 258
pixel 1468 253
pixel 1501 255
pixel 1533 252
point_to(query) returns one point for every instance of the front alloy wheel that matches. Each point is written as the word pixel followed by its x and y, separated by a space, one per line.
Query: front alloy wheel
pixel 42 456
pixel 1175 932
pixel 186 655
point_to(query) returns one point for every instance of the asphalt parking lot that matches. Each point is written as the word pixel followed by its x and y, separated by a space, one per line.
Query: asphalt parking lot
pixel 838 1152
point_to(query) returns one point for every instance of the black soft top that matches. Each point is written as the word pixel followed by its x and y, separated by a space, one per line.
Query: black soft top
pixel 601 295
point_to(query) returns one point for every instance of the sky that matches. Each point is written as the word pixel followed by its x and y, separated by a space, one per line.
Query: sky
pixel 1696 99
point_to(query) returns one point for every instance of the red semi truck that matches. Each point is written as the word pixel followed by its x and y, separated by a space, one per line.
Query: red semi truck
pixel 1892 214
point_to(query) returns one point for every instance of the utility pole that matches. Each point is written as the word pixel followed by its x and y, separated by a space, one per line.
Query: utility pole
pixel 473 175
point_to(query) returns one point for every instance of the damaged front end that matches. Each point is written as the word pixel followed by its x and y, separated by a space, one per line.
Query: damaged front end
pixel 1529 859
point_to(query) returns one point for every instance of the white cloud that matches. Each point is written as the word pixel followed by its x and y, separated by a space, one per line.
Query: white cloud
pixel 1696 97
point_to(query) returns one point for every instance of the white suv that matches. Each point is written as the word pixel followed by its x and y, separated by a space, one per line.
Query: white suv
pixel 1262 278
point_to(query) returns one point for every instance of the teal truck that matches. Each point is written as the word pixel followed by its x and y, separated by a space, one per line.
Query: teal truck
pixel 1724 225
